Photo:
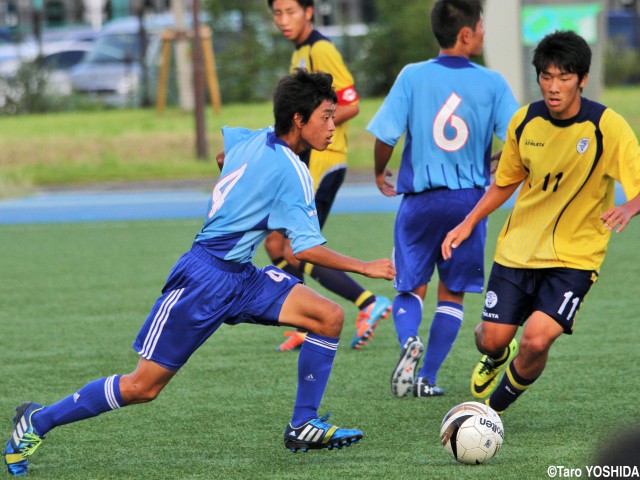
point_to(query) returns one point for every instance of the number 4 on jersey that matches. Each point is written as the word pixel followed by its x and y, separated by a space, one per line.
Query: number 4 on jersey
pixel 222 189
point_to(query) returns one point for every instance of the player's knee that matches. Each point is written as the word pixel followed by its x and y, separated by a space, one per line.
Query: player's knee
pixel 489 344
pixel 534 346
pixel 332 320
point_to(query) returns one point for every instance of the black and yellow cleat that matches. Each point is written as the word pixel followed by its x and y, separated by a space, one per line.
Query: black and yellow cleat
pixel 487 372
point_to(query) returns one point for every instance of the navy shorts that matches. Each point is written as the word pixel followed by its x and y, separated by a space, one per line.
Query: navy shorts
pixel 513 294
pixel 422 223
pixel 203 292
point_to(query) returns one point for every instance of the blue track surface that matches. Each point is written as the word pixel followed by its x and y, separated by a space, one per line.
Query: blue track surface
pixel 168 204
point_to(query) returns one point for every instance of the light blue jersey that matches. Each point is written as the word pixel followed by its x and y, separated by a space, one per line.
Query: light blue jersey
pixel 263 187
pixel 449 108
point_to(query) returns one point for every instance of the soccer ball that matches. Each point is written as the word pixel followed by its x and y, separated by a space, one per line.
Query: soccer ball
pixel 472 432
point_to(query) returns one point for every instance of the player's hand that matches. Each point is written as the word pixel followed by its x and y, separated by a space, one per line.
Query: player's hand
pixel 387 188
pixel 381 268
pixel 616 217
pixel 454 238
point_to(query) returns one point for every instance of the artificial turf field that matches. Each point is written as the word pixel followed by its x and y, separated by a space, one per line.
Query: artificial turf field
pixel 74 295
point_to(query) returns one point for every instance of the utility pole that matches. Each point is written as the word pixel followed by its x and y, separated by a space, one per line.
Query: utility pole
pixel 198 86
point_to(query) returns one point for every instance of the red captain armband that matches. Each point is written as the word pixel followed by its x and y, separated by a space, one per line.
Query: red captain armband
pixel 347 96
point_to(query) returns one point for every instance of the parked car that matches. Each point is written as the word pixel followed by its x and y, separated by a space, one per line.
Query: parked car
pixel 112 71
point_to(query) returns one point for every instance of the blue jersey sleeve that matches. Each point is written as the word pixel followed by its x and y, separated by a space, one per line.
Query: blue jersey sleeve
pixel 506 106
pixel 390 121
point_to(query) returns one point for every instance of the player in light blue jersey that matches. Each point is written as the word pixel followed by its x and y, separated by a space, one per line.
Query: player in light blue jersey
pixel 448 108
pixel 264 187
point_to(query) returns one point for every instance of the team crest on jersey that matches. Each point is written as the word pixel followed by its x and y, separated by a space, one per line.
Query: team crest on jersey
pixel 583 145
pixel 303 63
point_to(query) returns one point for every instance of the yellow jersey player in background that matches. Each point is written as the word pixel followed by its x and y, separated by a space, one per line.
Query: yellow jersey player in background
pixel 316 53
pixel 564 152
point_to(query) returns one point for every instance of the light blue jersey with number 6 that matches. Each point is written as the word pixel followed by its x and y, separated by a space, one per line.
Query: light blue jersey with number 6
pixel 449 109
pixel 263 187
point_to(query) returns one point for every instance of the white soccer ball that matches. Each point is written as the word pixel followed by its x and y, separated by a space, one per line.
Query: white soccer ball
pixel 472 432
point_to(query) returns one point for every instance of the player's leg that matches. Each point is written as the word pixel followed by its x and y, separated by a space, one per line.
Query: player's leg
pixel 508 303
pixel 275 245
pixel 538 335
pixel 558 300
pixel 322 319
pixel 445 325
pixel 463 273
pixel 328 170
pixel 407 316
pixel 33 421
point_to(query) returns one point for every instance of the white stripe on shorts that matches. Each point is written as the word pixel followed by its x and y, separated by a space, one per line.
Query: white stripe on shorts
pixel 158 323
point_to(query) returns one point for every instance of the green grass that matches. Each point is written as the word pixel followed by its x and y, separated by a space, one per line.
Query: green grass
pixel 74 295
pixel 128 145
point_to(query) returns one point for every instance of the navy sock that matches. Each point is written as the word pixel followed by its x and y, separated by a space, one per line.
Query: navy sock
pixel 337 281
pixel 91 400
pixel 443 332
pixel 314 367
pixel 509 389
pixel 407 315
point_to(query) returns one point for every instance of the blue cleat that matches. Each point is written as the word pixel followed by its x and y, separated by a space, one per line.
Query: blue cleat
pixel 24 440
pixel 368 319
pixel 316 434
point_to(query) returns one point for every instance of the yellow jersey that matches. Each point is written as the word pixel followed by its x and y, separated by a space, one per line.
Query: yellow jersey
pixel 567 169
pixel 318 54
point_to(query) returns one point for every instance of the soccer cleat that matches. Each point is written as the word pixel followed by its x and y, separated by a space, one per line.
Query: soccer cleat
pixel 403 376
pixel 368 319
pixel 294 341
pixel 487 372
pixel 316 434
pixel 423 388
pixel 24 440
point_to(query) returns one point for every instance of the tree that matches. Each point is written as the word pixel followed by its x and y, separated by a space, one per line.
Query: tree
pixel 401 35
pixel 249 54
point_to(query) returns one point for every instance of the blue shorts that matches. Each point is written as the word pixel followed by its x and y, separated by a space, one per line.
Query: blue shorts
pixel 203 292
pixel 513 294
pixel 422 223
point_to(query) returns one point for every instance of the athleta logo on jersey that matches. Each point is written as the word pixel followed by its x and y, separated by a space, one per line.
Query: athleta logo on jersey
pixel 583 145
pixel 533 143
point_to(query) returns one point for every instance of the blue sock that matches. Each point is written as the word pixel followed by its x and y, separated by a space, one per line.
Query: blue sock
pixel 314 367
pixel 91 400
pixel 407 315
pixel 443 332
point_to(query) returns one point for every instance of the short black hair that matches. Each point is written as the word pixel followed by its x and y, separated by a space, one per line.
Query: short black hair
pixel 448 17
pixel 564 49
pixel 300 92
pixel 302 3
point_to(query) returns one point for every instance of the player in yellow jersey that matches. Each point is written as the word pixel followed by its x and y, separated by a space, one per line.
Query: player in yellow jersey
pixel 565 152
pixel 316 53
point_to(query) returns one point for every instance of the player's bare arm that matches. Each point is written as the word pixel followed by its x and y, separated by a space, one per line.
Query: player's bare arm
pixel 381 154
pixel 490 201
pixel 325 257
pixel 620 216
pixel 345 113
